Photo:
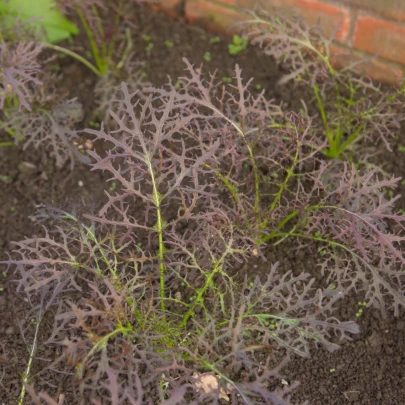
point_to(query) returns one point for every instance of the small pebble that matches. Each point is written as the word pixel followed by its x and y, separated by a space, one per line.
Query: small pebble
pixel 89 144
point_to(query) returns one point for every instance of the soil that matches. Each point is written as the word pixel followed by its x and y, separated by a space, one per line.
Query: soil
pixel 369 370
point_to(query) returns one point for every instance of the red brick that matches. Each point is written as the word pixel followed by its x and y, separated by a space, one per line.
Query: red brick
pixel 394 9
pixel 171 7
pixel 374 36
pixel 382 71
pixel 232 3
pixel 377 69
pixel 313 11
pixel 212 16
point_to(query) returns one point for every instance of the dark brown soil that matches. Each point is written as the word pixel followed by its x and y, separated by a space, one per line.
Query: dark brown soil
pixel 370 370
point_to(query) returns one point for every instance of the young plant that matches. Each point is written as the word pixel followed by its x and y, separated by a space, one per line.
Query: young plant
pixel 19 71
pixel 158 320
pixel 148 307
pixel 112 327
pixel 31 112
pixel 108 31
pixel 238 45
pixel 169 44
pixel 35 318
pixel 207 56
pixel 49 126
pixel 358 109
pixel 20 22
pixel 102 22
pixel 288 191
pixel 49 119
pixel 110 45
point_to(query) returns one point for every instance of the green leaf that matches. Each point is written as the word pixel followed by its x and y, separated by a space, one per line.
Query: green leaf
pixel 56 27
pixel 207 56
pixel 238 45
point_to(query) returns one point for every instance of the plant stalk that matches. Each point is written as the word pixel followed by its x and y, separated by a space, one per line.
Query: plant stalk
pixel 27 372
pixel 76 56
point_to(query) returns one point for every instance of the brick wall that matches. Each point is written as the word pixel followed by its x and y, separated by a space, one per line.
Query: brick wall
pixel 367 27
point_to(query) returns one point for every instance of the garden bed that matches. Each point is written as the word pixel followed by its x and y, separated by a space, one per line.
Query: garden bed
pixel 368 370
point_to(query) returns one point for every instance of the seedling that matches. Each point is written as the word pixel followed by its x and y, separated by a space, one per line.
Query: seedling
pixel 169 44
pixel 149 47
pixel 207 56
pixel 113 187
pixel 94 124
pixel 56 67
pixel 361 305
pixel 5 178
pixel 238 45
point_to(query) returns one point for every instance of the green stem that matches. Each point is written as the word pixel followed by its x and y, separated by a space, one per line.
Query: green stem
pixel 116 22
pixel 276 234
pixel 208 282
pixel 4 144
pixel 8 130
pixel 334 138
pixel 266 238
pixel 76 56
pixel 329 132
pixel 100 32
pixel 127 49
pixel 250 151
pixel 90 234
pixel 161 258
pixel 231 188
pixel 101 65
pixel 100 345
pixel 198 299
pixel 352 138
pixel 283 186
pixel 157 201
pixel 257 178
pixel 27 373
pixel 317 239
